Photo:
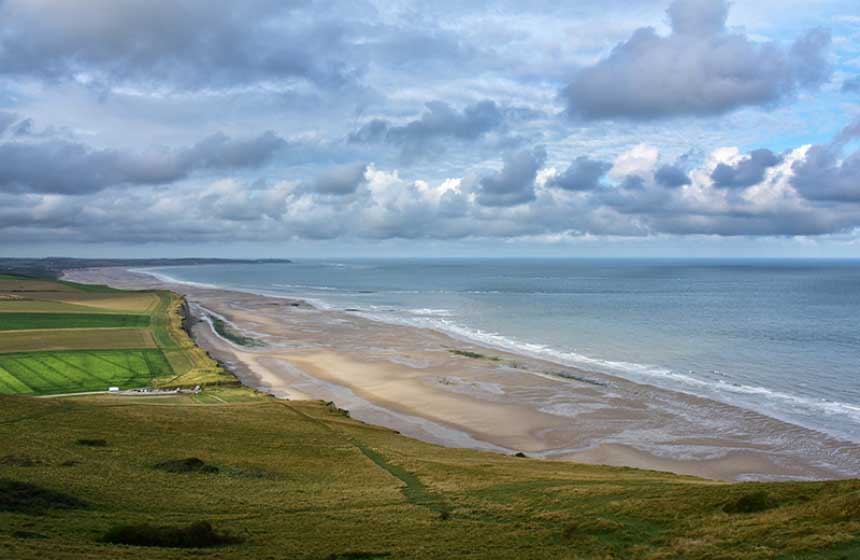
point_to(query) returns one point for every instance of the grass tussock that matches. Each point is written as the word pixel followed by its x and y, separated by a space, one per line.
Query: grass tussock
pixel 29 498
pixel 753 502
pixel 358 555
pixel 92 442
pixel 200 534
pixel 191 465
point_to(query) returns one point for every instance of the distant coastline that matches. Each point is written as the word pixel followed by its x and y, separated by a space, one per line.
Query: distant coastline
pixel 54 267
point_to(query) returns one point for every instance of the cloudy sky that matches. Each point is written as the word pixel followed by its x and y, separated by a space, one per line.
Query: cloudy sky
pixel 300 128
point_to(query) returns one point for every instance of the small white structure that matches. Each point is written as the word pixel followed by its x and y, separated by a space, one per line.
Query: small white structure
pixel 113 389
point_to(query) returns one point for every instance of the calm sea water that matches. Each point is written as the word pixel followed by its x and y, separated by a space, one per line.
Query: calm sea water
pixel 778 337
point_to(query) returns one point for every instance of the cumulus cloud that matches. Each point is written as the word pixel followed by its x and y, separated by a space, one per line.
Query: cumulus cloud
pixel 515 183
pixel 747 171
pixel 824 174
pixel 439 121
pixel 584 174
pixel 809 191
pixel 701 68
pixel 671 176
pixel 63 166
pixel 341 180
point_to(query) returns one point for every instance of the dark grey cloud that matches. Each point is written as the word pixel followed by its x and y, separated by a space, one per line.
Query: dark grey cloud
pixel 701 68
pixel 515 183
pixel 23 128
pixel 825 175
pixel 851 85
pixel 187 44
pixel 341 180
pixel 748 171
pixel 219 151
pixel 671 176
pixel 438 122
pixel 584 174
pixel 62 166
pixel 7 119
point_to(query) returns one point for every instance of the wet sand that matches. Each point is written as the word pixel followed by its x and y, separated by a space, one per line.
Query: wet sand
pixel 408 379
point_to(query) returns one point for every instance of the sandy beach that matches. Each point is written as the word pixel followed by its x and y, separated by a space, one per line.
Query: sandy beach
pixel 420 383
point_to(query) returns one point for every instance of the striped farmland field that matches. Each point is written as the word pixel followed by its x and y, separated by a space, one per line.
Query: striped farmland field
pixel 42 373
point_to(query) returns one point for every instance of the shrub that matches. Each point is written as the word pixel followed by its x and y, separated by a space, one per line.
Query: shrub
pixel 191 465
pixel 358 555
pixel 29 498
pixel 197 535
pixel 750 503
pixel 87 442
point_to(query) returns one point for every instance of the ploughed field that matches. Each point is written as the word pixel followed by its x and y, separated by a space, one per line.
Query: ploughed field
pixel 60 337
pixel 231 473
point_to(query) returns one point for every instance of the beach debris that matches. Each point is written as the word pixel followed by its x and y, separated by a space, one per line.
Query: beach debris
pixel 575 377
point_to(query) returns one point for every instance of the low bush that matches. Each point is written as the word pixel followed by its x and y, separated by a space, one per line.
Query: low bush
pixel 750 503
pixel 197 535
pixel 191 465
pixel 24 497
pixel 87 442
pixel 358 555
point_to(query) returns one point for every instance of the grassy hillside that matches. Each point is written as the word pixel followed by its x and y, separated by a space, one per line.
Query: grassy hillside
pixel 61 337
pixel 301 480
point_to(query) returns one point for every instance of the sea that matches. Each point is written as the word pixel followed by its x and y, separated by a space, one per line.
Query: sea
pixel 780 337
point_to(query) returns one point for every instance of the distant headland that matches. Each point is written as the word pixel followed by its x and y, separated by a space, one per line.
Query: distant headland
pixel 53 267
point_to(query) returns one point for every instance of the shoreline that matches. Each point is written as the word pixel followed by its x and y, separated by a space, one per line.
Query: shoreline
pixel 412 380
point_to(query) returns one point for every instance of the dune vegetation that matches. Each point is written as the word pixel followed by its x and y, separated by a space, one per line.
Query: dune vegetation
pixel 229 472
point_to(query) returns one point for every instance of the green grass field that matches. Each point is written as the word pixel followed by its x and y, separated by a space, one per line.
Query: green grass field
pixel 44 373
pixel 299 480
pixel 61 337
pixel 11 321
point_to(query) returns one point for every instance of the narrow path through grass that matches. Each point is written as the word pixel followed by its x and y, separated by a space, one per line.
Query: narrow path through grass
pixel 415 491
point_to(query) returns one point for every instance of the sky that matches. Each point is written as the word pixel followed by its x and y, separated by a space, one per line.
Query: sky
pixel 268 128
